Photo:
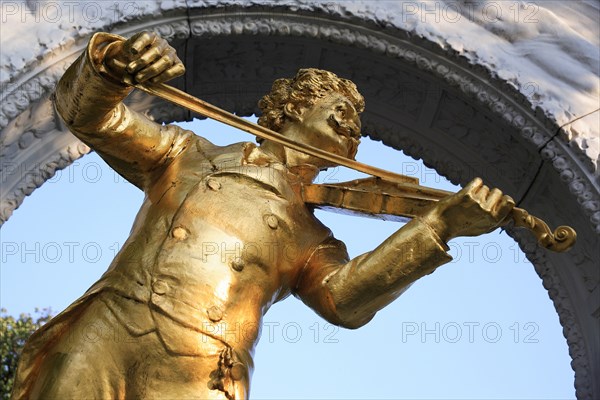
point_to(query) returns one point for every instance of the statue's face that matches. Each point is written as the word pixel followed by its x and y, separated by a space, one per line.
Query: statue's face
pixel 331 124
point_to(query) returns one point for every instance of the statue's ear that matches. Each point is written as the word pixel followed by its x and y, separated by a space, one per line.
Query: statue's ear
pixel 293 112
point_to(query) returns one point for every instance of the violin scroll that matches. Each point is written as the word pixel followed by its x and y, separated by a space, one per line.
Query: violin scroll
pixel 562 239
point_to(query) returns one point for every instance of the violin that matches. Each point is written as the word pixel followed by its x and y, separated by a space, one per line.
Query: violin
pixel 385 195
pixel 375 198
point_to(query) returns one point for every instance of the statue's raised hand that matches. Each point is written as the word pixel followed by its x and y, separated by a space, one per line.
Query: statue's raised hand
pixel 143 57
pixel 473 211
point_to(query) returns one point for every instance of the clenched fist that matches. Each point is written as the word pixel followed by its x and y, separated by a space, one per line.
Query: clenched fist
pixel 473 211
pixel 143 57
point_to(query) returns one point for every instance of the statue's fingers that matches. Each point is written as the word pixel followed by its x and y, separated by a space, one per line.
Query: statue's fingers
pixel 158 67
pixel 140 41
pixel 466 194
pixel 493 198
pixel 173 72
pixel 482 194
pixel 504 208
pixel 473 186
pixel 114 64
pixel 493 201
pixel 150 55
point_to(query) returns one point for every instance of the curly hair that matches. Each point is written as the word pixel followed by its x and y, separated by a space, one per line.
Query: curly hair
pixel 309 85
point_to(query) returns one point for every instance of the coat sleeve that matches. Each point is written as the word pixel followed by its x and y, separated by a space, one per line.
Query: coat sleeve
pixel 349 292
pixel 89 102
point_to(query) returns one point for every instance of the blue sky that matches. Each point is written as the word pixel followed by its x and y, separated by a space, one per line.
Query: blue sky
pixel 480 327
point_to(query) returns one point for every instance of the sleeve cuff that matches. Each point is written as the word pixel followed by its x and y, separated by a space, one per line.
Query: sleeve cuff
pixel 432 233
pixel 95 52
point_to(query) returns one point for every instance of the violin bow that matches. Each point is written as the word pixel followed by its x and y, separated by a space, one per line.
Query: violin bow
pixel 559 240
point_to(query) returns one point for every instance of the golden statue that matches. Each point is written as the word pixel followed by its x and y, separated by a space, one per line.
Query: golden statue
pixel 223 233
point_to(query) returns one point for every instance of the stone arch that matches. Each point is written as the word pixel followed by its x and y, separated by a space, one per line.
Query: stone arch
pixel 462 115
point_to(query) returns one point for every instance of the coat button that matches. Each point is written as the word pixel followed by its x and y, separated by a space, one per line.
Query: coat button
pixel 213 184
pixel 272 221
pixel 237 264
pixel 180 233
pixel 160 287
pixel 215 314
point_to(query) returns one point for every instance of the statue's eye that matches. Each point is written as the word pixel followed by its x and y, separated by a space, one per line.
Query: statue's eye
pixel 341 111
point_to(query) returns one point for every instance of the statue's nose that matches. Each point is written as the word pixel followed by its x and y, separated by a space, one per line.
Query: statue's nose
pixel 355 126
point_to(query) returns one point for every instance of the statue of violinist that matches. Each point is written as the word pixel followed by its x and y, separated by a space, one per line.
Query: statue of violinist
pixel 223 233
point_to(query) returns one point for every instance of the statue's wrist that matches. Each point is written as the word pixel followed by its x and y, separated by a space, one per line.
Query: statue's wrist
pixel 438 225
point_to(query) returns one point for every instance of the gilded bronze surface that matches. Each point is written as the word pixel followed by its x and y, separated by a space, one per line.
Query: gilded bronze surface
pixel 409 198
pixel 224 233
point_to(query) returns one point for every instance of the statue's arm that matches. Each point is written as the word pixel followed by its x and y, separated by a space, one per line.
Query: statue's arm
pixel 350 292
pixel 89 100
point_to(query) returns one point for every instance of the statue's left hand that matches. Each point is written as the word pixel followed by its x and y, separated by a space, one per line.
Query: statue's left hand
pixel 143 57
pixel 473 211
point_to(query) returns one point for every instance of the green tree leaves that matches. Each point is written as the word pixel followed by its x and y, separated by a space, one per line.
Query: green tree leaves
pixel 13 335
